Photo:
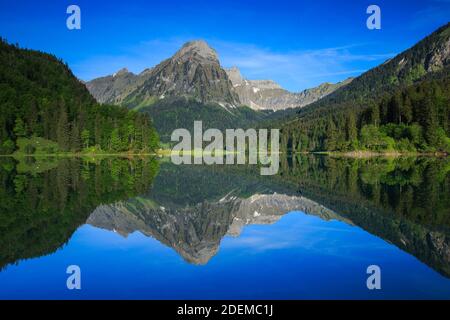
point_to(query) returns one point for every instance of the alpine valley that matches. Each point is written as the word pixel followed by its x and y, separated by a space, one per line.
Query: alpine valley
pixel 401 105
pixel 192 85
pixel 93 198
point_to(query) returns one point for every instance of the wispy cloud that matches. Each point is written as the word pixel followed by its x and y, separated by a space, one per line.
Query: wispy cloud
pixel 297 70
pixel 294 70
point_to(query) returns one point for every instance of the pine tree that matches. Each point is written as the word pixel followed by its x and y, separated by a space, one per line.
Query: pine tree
pixel 352 131
pixel 375 114
pixel 19 128
pixel 62 130
pixel 331 136
pixel 98 132
pixel 153 140
pixel 75 142
pixel 85 138
pixel 430 122
pixel 116 142
pixel 406 110
pixel 395 112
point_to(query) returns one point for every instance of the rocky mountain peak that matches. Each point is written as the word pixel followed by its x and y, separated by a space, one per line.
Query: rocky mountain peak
pixel 265 84
pixel 234 74
pixel 121 72
pixel 196 49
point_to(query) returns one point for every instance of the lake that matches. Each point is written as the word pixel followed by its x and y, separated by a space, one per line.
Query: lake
pixel 144 228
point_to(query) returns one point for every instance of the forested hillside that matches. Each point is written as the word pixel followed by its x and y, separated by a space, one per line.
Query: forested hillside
pixel 401 105
pixel 40 97
pixel 173 113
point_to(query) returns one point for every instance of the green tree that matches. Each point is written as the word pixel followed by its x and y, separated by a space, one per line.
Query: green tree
pixel 406 110
pixel 331 135
pixel 85 138
pixel 352 131
pixel 8 147
pixel 430 122
pixel 116 143
pixel 19 128
pixel 153 140
pixel 374 114
pixel 62 131
pixel 75 142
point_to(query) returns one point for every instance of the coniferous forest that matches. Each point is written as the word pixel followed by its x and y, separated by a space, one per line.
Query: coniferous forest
pixel 413 119
pixel 402 105
pixel 46 109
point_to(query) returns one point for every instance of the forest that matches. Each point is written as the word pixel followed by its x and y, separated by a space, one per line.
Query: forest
pixel 41 98
pixel 408 119
pixel 400 105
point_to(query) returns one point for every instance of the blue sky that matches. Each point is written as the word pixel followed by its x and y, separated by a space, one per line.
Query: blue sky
pixel 299 43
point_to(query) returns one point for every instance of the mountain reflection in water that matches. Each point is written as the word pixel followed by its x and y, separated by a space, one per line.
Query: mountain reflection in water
pixel 403 201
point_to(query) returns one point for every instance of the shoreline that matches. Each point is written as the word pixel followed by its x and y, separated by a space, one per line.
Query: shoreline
pixel 167 152
pixel 77 155
pixel 372 154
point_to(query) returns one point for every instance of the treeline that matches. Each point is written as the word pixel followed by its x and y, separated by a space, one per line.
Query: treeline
pixel 415 118
pixel 40 97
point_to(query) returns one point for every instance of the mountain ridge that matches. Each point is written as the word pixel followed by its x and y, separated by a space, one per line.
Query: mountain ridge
pixel 269 95
pixel 194 71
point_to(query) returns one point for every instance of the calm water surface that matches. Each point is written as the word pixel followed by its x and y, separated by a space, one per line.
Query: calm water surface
pixel 145 228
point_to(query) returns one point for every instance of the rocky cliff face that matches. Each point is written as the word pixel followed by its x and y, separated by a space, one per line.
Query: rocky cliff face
pixel 269 95
pixel 194 71
pixel 113 88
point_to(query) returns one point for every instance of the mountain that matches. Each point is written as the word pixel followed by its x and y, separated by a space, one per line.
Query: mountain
pixel 42 102
pixel 269 95
pixel 430 55
pixel 109 89
pixel 189 86
pixel 194 71
pixel 192 85
pixel 402 105
pixel 196 232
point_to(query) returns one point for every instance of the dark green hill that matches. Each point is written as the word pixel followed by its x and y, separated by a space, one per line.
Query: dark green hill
pixel 40 97
pixel 402 104
pixel 429 55
pixel 181 112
